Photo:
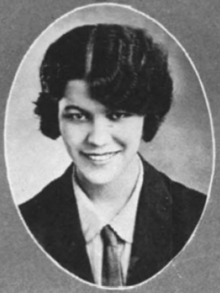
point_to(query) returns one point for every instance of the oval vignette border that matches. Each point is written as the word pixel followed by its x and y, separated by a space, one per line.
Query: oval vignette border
pixel 160 28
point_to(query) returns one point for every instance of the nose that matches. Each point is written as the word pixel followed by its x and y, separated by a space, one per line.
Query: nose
pixel 99 133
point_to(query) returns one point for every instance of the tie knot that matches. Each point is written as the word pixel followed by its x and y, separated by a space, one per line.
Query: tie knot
pixel 109 237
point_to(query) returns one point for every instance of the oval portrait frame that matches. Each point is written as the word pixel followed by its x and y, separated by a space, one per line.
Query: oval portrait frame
pixel 190 132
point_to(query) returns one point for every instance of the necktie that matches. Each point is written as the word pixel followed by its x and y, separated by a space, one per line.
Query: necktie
pixel 111 268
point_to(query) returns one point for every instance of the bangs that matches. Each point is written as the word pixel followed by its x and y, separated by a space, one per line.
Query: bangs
pixel 120 68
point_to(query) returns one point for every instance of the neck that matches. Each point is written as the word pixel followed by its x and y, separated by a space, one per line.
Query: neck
pixel 115 194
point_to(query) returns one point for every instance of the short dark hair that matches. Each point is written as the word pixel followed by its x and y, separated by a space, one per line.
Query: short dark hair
pixel 122 65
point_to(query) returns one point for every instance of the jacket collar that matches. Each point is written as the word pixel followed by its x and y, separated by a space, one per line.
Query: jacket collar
pixel 152 246
pixel 152 243
pixel 73 254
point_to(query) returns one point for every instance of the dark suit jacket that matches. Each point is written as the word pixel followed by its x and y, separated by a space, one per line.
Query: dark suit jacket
pixel 166 217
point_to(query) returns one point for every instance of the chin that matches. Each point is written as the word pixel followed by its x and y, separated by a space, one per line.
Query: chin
pixel 99 179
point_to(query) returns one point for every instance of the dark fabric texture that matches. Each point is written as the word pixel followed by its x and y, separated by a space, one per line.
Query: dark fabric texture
pixel 166 217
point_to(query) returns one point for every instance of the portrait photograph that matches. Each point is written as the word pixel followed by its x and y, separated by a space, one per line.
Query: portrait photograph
pixel 110 152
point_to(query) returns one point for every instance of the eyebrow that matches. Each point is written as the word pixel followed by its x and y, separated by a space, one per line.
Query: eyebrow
pixel 74 107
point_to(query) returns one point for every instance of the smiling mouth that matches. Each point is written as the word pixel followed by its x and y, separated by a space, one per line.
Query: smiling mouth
pixel 101 158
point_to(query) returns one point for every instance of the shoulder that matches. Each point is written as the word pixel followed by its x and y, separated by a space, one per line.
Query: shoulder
pixel 47 204
pixel 52 218
pixel 187 203
pixel 180 194
pixel 172 200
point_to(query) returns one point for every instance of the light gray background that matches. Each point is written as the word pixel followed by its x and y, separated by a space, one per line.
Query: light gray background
pixel 23 267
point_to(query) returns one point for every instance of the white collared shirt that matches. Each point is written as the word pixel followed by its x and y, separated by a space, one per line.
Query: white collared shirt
pixel 122 223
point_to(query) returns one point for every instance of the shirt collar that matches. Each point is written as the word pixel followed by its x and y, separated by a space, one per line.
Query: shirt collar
pixel 122 223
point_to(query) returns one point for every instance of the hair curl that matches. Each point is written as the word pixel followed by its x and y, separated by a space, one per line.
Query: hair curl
pixel 123 67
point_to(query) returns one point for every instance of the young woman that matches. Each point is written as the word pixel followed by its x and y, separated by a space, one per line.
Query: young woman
pixel 106 87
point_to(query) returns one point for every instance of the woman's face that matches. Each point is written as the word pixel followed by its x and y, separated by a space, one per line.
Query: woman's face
pixel 101 142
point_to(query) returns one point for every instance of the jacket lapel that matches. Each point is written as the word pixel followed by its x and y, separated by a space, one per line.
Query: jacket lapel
pixel 152 245
pixel 73 255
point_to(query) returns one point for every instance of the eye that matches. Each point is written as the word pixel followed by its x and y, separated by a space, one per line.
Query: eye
pixel 76 117
pixel 116 116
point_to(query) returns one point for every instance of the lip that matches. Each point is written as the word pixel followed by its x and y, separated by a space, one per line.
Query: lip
pixel 100 158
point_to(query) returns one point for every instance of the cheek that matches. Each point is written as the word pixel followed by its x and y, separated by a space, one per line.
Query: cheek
pixel 131 135
pixel 135 128
pixel 72 136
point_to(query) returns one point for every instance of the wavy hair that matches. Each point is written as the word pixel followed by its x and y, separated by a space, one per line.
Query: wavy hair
pixel 123 67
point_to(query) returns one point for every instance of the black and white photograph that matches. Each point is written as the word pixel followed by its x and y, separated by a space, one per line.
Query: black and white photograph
pixel 110 154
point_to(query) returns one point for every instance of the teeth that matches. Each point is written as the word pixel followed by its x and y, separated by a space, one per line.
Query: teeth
pixel 101 157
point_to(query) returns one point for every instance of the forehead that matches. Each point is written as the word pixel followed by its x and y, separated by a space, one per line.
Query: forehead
pixel 76 89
